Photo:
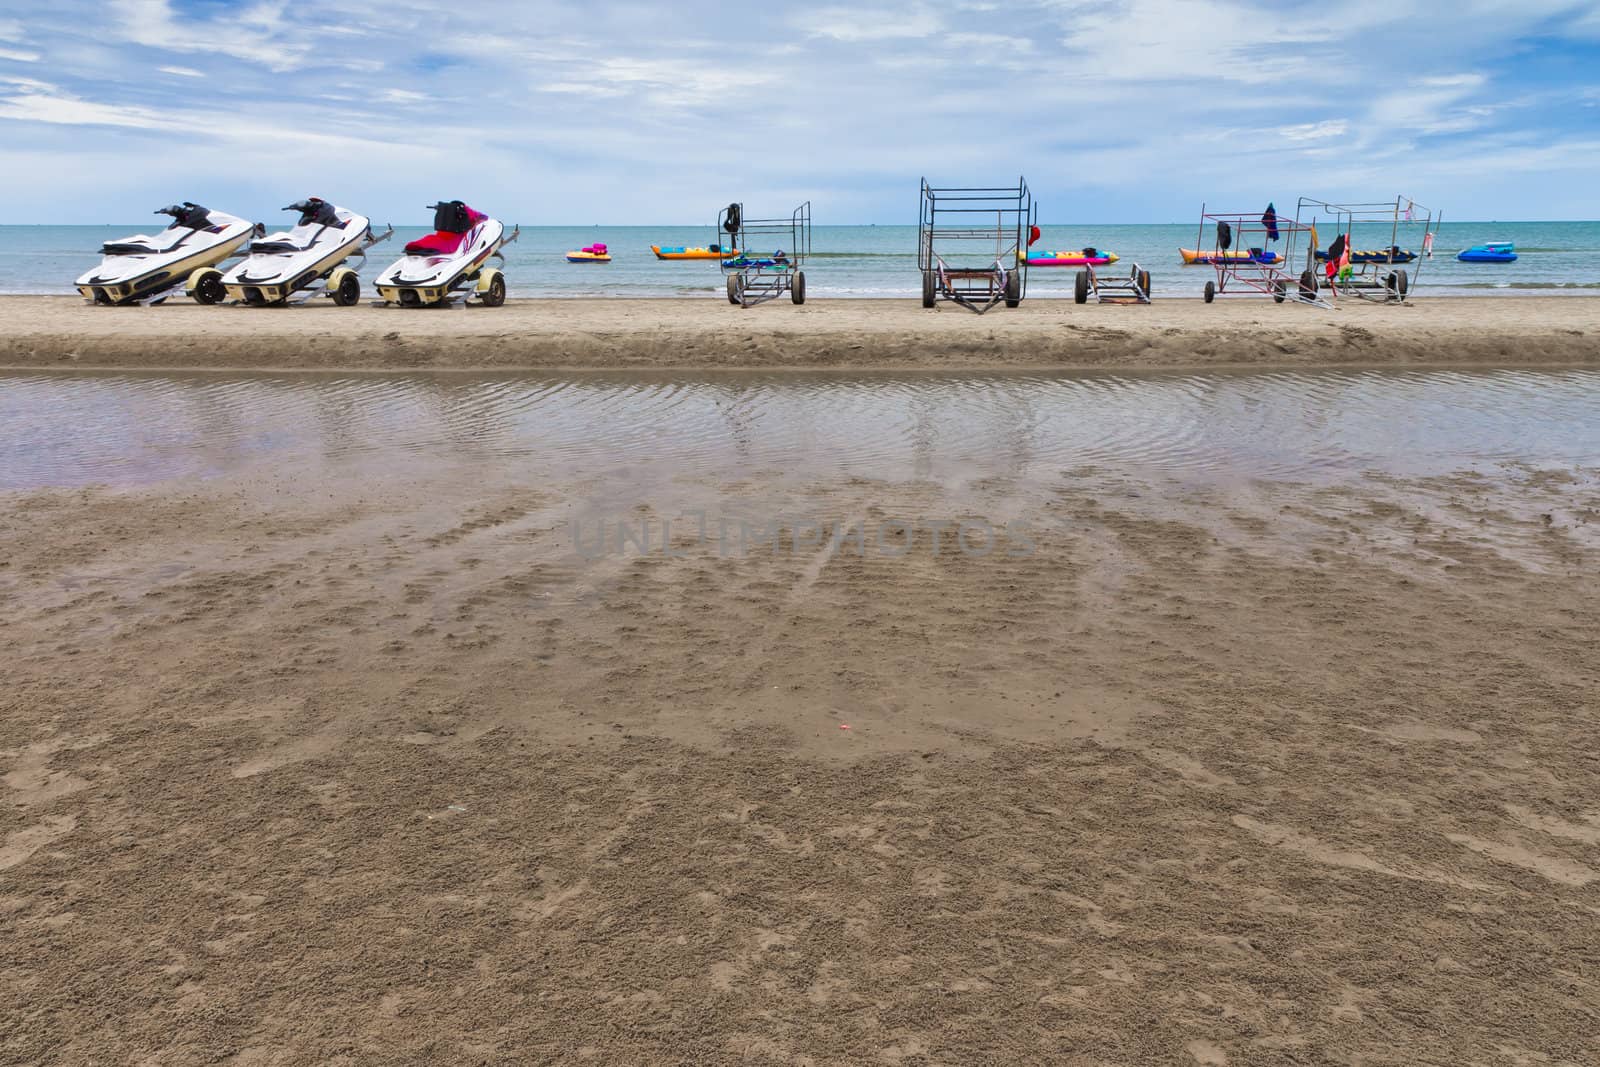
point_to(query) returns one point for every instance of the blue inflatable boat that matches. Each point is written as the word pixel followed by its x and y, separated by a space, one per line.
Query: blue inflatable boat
pixel 1491 252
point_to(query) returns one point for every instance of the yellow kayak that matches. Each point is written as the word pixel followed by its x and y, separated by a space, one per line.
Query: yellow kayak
pixel 693 253
pixel 1243 255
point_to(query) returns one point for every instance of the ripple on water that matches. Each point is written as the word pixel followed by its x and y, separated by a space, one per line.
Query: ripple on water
pixel 75 429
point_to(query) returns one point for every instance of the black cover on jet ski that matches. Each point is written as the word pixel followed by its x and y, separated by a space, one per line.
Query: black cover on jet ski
pixel 451 216
pixel 313 212
pixel 188 215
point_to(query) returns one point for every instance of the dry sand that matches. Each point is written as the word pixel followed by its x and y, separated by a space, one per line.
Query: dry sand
pixel 381 772
pixel 709 333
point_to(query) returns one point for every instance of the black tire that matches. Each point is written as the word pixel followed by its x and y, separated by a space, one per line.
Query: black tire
pixel 348 292
pixel 1143 282
pixel 1013 288
pixel 797 288
pixel 1308 285
pixel 495 295
pixel 930 288
pixel 1080 288
pixel 209 289
pixel 1280 291
pixel 734 290
pixel 1403 284
pixel 1211 291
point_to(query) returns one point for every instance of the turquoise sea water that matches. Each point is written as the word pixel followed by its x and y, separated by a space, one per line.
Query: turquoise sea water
pixel 873 261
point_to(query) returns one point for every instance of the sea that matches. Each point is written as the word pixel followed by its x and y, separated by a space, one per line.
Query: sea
pixel 1556 258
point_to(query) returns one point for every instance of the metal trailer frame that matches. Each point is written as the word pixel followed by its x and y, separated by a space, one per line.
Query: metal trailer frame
pixel 1000 218
pixel 1374 279
pixel 1088 285
pixel 1251 275
pixel 753 281
pixel 324 284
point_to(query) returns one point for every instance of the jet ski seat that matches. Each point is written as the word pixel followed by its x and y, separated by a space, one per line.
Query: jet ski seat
pixel 188 218
pixel 452 220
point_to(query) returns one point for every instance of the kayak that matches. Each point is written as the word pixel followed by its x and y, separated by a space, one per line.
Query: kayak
pixel 1083 257
pixel 1252 255
pixel 680 252
pixel 1380 255
pixel 1490 252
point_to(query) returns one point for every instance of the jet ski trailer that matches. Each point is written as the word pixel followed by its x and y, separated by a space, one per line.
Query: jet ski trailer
pixel 1373 232
pixel 312 259
pixel 146 268
pixel 756 275
pixel 450 265
pixel 996 222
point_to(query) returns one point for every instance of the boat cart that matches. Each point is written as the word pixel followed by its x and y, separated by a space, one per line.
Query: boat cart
pixel 1088 285
pixel 772 253
pixel 1385 273
pixel 1246 264
pixel 957 222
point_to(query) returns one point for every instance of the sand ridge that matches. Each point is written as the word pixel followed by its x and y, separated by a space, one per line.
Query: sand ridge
pixel 708 333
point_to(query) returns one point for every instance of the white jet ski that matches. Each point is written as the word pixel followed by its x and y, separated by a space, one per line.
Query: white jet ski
pixel 450 264
pixel 145 268
pixel 306 260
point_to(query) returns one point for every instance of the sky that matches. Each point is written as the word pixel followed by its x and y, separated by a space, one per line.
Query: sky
pixel 633 114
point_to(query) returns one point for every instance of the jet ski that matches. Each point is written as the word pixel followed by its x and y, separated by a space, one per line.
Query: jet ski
pixel 450 264
pixel 308 259
pixel 145 268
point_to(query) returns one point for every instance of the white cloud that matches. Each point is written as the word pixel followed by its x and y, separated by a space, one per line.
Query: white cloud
pixel 182 72
pixel 258 34
pixel 19 56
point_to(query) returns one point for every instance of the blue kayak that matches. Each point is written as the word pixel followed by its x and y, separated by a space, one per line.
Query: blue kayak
pixel 1490 252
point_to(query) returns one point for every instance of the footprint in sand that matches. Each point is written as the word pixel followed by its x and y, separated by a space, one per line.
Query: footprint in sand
pixel 1564 872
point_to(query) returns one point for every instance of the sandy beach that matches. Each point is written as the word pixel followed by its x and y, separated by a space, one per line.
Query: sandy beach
pixel 708 334
pixel 363 763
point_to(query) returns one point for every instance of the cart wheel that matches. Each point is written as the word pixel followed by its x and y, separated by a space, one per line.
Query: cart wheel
pixel 1211 291
pixel 1402 284
pixel 345 288
pixel 797 288
pixel 930 288
pixel 1280 290
pixel 1080 287
pixel 1013 289
pixel 205 285
pixel 492 289
pixel 735 290
pixel 1143 282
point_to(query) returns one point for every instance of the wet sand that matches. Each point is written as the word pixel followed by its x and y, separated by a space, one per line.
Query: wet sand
pixel 708 333
pixel 368 765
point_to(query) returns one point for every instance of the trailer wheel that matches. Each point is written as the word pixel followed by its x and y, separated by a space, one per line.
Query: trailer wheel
pixel 1211 291
pixel 735 289
pixel 492 289
pixel 205 285
pixel 930 288
pixel 797 288
pixel 1080 288
pixel 1143 283
pixel 1013 289
pixel 1280 290
pixel 345 288
pixel 1402 284
pixel 1308 285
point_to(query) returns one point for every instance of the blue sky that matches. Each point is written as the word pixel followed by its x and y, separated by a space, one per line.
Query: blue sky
pixel 634 113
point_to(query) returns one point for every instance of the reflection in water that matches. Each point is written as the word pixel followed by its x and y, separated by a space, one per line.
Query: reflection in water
pixel 74 429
